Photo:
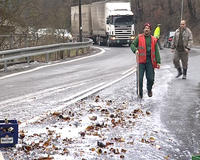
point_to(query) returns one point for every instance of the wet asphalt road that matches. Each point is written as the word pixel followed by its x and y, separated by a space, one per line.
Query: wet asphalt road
pixel 180 111
pixel 33 93
pixel 175 108
pixel 175 104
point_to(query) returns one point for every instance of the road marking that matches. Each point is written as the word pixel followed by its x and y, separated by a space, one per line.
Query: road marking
pixel 40 94
pixel 131 69
pixel 74 98
pixel 108 49
pixel 71 99
pixel 50 65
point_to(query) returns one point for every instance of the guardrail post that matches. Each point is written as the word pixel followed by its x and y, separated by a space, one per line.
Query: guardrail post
pixel 28 60
pixel 47 58
pixel 61 54
pixel 68 53
pixel 82 50
pixel 5 66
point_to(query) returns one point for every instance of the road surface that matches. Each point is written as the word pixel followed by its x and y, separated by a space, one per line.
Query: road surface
pixel 175 106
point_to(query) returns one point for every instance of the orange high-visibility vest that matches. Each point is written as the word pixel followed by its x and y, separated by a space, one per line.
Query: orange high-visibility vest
pixel 143 51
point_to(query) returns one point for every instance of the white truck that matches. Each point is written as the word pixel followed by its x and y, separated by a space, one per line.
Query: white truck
pixel 105 22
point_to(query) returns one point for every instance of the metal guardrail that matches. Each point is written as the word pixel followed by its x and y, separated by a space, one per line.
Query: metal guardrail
pixel 41 50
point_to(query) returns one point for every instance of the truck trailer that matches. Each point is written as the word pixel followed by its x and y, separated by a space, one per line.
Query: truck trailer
pixel 107 23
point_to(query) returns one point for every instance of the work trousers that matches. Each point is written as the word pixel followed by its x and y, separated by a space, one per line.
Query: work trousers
pixel 183 56
pixel 149 70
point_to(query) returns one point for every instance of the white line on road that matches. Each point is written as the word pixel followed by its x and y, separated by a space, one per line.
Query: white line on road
pixel 43 93
pixel 50 65
pixel 74 98
pixel 71 98
pixel 108 49
pixel 131 69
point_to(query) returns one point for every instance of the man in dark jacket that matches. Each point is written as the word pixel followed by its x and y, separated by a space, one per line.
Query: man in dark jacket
pixel 182 43
pixel 148 57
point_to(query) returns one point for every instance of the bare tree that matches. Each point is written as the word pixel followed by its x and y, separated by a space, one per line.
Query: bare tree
pixel 192 9
pixel 170 7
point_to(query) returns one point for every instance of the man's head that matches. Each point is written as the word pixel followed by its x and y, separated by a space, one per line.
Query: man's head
pixel 158 25
pixel 183 24
pixel 147 29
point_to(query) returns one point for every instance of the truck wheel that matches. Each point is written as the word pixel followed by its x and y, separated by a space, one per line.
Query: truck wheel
pixel 99 41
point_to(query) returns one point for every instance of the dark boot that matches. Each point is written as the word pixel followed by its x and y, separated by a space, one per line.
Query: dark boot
pixel 179 72
pixel 140 95
pixel 184 73
pixel 150 94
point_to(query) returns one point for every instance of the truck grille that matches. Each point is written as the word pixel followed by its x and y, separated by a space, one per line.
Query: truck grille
pixel 122 32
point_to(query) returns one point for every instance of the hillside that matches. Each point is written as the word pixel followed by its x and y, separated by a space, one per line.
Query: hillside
pixel 168 13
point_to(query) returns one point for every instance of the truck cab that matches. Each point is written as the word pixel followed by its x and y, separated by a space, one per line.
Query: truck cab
pixel 119 23
pixel 120 28
pixel 106 22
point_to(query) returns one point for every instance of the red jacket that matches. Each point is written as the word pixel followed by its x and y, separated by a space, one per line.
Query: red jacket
pixel 142 50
